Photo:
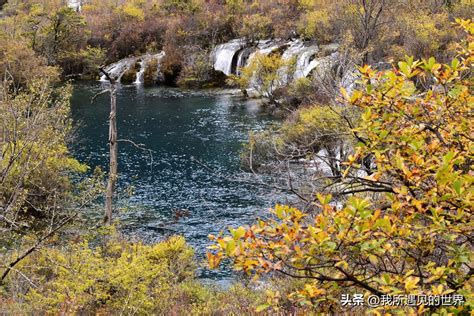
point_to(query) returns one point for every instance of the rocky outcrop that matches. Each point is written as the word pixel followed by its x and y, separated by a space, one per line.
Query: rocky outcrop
pixel 145 69
pixel 230 57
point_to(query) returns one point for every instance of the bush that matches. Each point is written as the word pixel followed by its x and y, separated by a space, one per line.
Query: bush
pixel 115 276
pixel 266 74
pixel 406 223
pixel 198 72
pixel 35 124
pixel 150 75
pixel 130 75
pixel 109 275
pixel 302 136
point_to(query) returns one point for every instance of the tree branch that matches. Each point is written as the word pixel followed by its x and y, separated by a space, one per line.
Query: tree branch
pixel 34 247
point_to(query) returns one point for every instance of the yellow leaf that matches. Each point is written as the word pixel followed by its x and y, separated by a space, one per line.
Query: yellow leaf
pixel 373 259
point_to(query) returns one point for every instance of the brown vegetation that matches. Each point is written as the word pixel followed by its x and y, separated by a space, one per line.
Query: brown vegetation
pixel 378 29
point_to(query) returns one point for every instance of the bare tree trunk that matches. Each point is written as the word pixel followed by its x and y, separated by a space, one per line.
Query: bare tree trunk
pixel 113 151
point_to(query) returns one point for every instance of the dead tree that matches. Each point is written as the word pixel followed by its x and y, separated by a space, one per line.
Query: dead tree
pixel 112 180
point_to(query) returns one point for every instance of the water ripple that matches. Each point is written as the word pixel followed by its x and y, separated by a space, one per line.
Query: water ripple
pixel 176 125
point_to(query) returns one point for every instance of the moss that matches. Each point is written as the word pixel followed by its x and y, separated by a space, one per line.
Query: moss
pixel 151 73
pixel 211 79
pixel 171 67
pixel 130 75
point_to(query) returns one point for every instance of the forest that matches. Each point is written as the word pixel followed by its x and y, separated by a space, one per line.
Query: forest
pixel 236 157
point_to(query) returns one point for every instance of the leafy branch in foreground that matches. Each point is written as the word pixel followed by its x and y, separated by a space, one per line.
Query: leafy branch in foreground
pixel 417 239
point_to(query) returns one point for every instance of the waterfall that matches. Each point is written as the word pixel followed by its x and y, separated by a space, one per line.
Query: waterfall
pixel 159 57
pixel 116 70
pixel 264 47
pixel 75 4
pixel 230 57
pixel 224 54
pixel 306 61
pixel 293 52
pixel 243 57
pixel 293 49
pixel 246 54
pixel 141 72
pixel 309 59
pixel 144 61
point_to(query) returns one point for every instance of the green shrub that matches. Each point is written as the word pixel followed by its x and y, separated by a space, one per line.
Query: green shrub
pixel 114 276
pixel 130 75
pixel 150 75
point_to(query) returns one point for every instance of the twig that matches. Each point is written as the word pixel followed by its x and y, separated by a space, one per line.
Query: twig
pixel 25 277
pixel 98 94
pixel 35 246
pixel 236 180
pixel 141 147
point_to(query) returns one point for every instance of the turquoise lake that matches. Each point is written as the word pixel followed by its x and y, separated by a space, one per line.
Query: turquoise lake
pixel 179 127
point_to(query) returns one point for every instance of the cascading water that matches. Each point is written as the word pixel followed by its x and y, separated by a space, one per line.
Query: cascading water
pixel 294 49
pixel 230 57
pixel 223 55
pixel 321 64
pixel 141 72
pixel 304 61
pixel 75 4
pixel 159 57
pixel 242 58
pixel 309 58
pixel 247 55
pixel 264 47
pixel 308 61
pixel 293 53
pixel 116 70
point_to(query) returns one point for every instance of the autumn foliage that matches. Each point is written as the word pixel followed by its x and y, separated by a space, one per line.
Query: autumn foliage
pixel 399 144
pixel 108 30
pixel 407 227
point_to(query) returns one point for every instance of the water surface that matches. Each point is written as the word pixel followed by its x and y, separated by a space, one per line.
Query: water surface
pixel 179 127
